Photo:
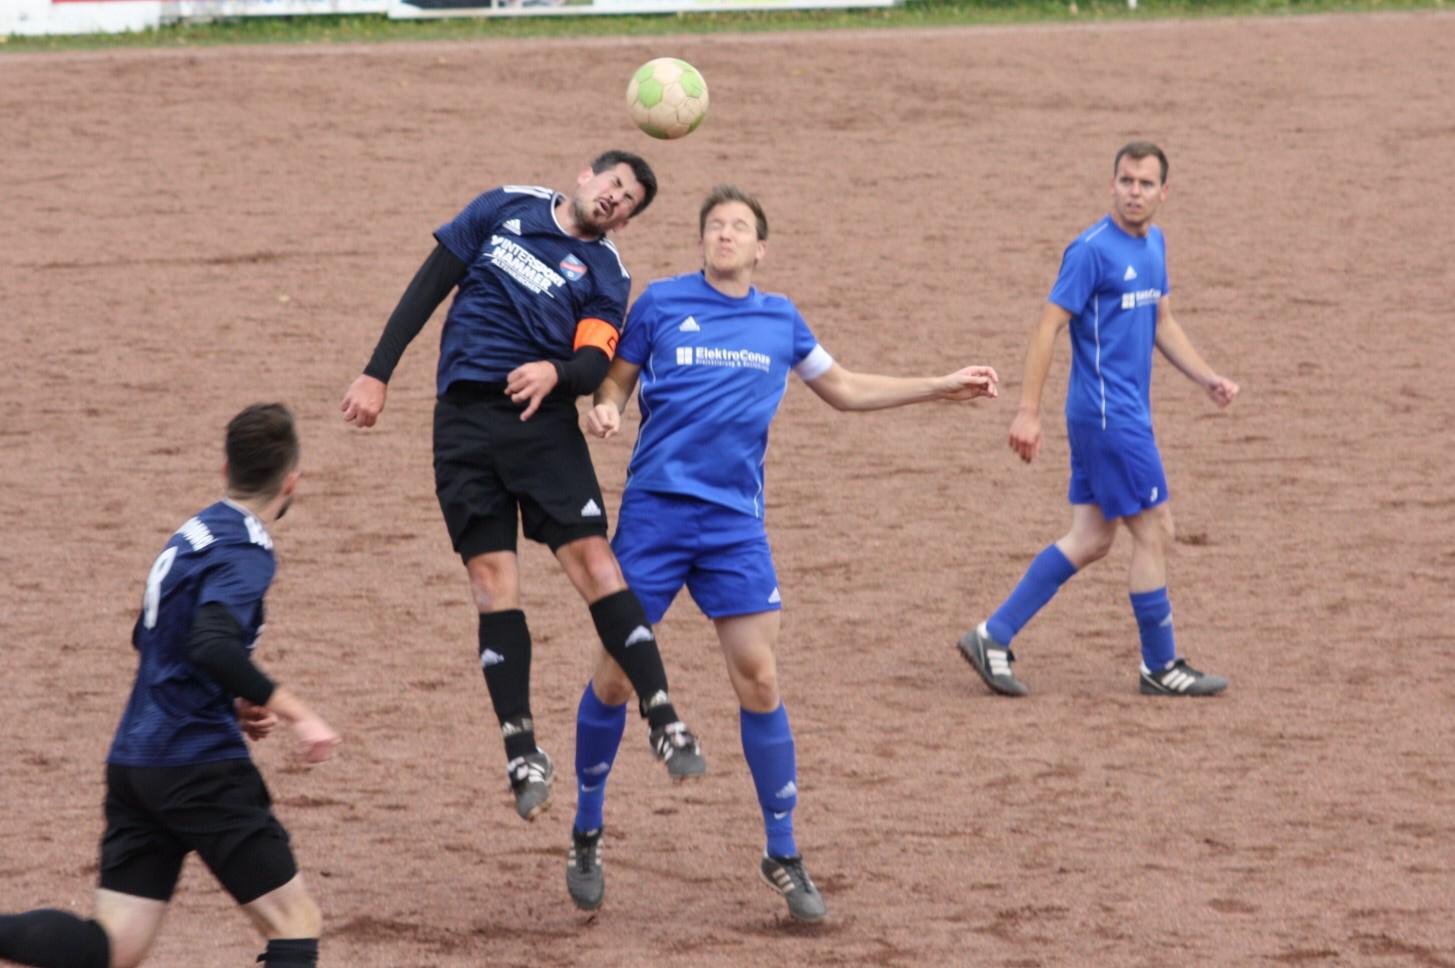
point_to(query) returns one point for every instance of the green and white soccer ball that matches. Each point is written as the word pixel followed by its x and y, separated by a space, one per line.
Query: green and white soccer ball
pixel 667 98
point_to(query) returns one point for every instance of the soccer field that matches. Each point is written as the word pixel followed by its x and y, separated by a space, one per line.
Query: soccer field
pixel 189 231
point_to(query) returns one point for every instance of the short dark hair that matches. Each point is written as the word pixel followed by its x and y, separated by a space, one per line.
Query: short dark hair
pixel 643 172
pixel 731 193
pixel 1137 150
pixel 262 448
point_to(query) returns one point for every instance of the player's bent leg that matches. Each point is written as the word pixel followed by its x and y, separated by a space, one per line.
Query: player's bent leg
pixel 627 636
pixel 290 920
pixel 1090 537
pixel 132 924
pixel 50 938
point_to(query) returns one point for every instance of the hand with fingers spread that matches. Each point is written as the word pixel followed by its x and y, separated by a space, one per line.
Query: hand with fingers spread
pixel 529 383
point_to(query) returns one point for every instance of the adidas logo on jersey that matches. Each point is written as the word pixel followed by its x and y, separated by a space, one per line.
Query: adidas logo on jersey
pixel 512 225
pixel 1129 275
pixel 689 325
pixel 639 634
pixel 490 658
pixel 590 509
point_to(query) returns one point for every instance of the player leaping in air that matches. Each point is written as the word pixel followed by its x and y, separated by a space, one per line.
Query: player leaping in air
pixel 540 293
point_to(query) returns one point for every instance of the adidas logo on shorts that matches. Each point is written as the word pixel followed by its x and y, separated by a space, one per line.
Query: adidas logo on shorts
pixel 590 509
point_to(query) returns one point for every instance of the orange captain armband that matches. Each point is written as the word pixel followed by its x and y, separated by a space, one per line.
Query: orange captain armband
pixel 598 333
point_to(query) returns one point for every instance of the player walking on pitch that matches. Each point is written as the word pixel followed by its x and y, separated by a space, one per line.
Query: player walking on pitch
pixel 541 294
pixel 1114 296
pixel 179 777
pixel 713 356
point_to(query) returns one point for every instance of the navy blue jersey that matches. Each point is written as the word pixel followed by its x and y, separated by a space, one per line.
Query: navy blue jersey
pixel 1111 283
pixel 714 369
pixel 177 716
pixel 527 286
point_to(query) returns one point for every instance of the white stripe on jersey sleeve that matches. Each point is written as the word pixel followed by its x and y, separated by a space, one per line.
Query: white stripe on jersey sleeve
pixel 815 364
pixel 535 190
pixel 612 246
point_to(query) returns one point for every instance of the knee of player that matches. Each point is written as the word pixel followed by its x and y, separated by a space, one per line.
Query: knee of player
pixel 301 919
pixel 758 686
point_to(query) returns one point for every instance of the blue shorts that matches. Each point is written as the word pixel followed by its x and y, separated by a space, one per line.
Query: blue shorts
pixel 1118 469
pixel 664 541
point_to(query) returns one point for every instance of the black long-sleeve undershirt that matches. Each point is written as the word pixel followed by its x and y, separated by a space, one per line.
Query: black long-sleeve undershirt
pixel 216 647
pixel 440 273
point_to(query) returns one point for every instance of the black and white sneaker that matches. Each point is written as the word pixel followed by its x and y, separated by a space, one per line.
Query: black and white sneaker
pixel 1180 679
pixel 788 877
pixel 584 877
pixel 530 781
pixel 992 660
pixel 676 747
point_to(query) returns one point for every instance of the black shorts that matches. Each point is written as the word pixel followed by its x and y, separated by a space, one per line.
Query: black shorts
pixel 488 462
pixel 155 816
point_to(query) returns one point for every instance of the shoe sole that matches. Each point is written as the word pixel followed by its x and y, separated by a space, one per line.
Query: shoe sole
pixel 969 649
pixel 545 803
pixel 1147 690
pixel 802 919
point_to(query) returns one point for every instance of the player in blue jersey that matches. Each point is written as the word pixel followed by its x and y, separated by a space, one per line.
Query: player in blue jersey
pixel 540 297
pixel 1114 297
pixel 179 777
pixel 713 355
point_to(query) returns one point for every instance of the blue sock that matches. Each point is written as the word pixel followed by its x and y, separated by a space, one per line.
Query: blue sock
pixel 598 736
pixel 1048 572
pixel 1154 622
pixel 768 747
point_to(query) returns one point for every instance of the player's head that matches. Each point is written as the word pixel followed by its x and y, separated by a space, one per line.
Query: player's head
pixel 615 189
pixel 733 230
pixel 262 455
pixel 1138 185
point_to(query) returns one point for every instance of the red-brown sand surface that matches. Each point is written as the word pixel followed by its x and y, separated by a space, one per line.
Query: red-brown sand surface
pixel 184 232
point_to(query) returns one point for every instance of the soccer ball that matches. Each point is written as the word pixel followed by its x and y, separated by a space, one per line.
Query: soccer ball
pixel 667 98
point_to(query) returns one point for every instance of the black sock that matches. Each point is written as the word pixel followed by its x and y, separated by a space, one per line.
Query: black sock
pixel 505 660
pixel 293 953
pixel 622 625
pixel 53 939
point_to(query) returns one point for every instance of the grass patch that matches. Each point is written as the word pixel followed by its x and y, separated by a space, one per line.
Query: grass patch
pixel 914 13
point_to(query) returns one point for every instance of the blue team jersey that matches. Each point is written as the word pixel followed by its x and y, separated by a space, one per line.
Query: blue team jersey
pixel 714 369
pixel 1111 283
pixel 527 285
pixel 177 716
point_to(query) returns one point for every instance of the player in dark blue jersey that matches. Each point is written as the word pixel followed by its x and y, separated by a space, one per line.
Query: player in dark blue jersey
pixel 713 355
pixel 179 777
pixel 540 294
pixel 1114 297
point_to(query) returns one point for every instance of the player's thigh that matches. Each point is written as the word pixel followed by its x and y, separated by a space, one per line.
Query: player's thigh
pixel 655 545
pixel 546 465
pixel 226 815
pixel 131 924
pixel 734 573
pixel 479 511
pixel 140 856
pixel 288 911
pixel 1118 469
